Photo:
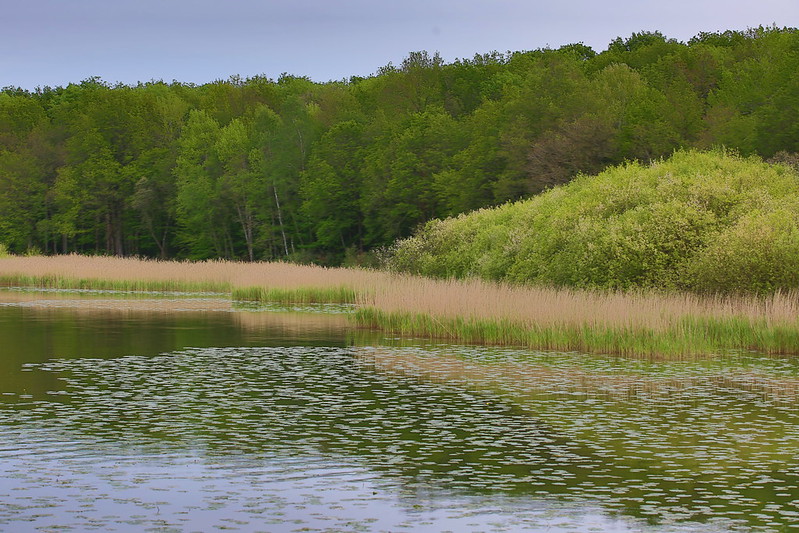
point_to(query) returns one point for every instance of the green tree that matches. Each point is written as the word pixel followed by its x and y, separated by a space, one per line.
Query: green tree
pixel 204 224
pixel 331 187
pixel 399 185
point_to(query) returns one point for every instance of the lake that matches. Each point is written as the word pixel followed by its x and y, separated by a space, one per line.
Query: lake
pixel 173 412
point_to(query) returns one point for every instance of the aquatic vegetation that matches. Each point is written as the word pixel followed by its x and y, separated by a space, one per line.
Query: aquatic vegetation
pixel 472 310
pixel 334 294
pixel 473 433
pixel 687 336
pixel 634 322
pixel 127 285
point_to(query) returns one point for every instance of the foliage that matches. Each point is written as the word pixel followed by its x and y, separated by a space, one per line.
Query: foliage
pixel 289 168
pixel 702 221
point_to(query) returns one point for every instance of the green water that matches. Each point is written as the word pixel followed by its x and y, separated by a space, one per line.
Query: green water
pixel 188 420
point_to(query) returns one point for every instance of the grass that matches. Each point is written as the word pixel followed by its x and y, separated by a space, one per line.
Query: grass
pixel 690 336
pixel 60 282
pixel 304 295
pixel 632 323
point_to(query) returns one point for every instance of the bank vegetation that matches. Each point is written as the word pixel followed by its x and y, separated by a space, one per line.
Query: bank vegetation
pixel 638 323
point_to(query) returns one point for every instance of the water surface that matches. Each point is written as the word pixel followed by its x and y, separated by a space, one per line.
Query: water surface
pixel 182 414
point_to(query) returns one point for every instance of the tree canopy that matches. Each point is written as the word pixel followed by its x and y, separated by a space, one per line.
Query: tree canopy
pixel 268 169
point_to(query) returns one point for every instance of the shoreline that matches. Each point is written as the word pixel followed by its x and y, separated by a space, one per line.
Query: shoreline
pixel 642 324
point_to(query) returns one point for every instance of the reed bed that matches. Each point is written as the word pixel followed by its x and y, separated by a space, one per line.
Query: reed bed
pixel 635 323
pixel 50 281
pixel 301 295
pixel 688 336
pixel 542 306
pixel 630 323
pixel 76 271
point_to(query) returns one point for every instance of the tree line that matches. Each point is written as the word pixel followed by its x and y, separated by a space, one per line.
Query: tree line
pixel 292 169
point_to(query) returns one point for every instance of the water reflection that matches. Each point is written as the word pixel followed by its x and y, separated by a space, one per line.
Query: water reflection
pixel 177 491
pixel 677 440
pixel 119 418
pixel 40 325
pixel 384 445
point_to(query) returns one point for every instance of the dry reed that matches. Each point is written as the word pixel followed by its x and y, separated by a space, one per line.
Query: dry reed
pixel 646 323
pixel 541 306
pixel 220 273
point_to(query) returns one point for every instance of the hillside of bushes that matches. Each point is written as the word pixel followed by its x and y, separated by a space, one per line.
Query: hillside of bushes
pixel 700 221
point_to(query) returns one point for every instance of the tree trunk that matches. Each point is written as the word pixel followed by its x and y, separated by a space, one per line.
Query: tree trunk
pixel 245 219
pixel 280 221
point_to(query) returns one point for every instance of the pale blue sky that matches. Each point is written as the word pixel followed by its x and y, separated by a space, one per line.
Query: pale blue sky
pixel 55 42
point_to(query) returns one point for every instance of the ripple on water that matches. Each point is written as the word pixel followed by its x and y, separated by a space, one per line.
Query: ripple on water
pixel 388 438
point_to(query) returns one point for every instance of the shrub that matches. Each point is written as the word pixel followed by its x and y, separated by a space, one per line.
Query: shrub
pixel 760 253
pixel 703 221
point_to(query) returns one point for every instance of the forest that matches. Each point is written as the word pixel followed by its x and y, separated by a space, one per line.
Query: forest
pixel 291 169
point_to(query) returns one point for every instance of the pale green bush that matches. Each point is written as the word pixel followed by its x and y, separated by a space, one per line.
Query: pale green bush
pixel 704 221
pixel 760 253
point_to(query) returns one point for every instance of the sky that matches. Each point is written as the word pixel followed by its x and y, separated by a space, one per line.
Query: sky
pixel 56 42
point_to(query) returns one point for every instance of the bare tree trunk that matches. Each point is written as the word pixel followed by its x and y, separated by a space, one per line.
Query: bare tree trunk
pixel 246 226
pixel 113 230
pixel 280 221
pixel 162 243
pixel 108 232
pixel 302 146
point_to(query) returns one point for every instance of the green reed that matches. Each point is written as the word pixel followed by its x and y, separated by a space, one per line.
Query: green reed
pixel 679 337
pixel 687 336
pixel 67 283
pixel 305 295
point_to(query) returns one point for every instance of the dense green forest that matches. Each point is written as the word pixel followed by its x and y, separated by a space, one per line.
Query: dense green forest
pixel 289 168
